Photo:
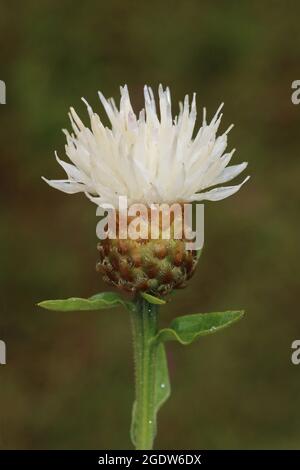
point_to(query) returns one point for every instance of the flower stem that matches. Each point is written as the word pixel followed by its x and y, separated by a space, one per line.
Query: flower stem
pixel 144 323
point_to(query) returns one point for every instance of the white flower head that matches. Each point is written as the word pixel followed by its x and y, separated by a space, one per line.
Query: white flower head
pixel 149 158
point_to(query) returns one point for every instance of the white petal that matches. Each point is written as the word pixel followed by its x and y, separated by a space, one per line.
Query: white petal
pixel 95 199
pixel 218 194
pixel 231 172
pixel 108 108
pixel 89 108
pixel 71 170
pixel 65 186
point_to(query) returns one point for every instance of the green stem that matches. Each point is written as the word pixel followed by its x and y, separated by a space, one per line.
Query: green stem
pixel 144 323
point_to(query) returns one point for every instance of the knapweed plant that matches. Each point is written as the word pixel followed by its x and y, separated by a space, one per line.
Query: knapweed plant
pixel 155 162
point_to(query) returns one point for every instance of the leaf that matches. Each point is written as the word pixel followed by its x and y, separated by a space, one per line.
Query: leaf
pixel 162 390
pixel 96 302
pixel 162 382
pixel 152 299
pixel 187 328
pixel 133 425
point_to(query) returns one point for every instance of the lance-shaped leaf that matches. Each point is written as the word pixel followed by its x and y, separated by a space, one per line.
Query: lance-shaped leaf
pixel 96 302
pixel 187 328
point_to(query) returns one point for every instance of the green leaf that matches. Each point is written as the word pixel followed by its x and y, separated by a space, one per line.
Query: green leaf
pixel 133 425
pixel 162 382
pixel 152 299
pixel 162 389
pixel 96 302
pixel 187 328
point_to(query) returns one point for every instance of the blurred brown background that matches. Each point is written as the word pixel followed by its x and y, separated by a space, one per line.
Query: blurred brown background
pixel 68 382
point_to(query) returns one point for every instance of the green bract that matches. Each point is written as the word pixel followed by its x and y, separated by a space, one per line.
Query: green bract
pixel 152 299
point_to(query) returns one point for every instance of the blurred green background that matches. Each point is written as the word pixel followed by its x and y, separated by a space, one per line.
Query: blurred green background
pixel 68 382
